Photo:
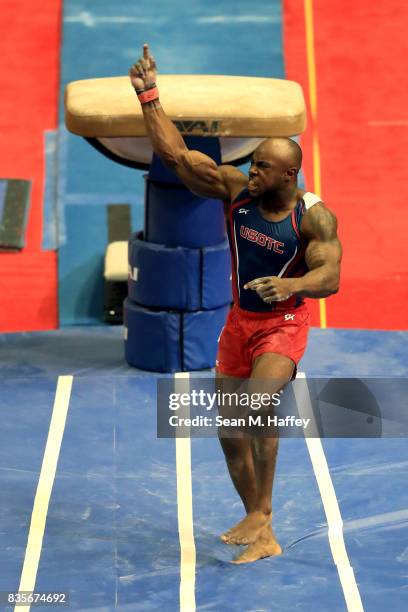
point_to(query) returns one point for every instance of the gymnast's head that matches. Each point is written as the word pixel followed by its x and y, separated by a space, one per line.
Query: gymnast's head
pixel 275 164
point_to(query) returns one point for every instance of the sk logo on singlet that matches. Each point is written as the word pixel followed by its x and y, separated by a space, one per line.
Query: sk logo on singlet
pixel 243 210
pixel 289 317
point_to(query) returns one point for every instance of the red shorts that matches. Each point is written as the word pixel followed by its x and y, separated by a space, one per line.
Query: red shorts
pixel 246 335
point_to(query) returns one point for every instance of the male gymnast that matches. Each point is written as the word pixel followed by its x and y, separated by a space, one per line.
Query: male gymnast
pixel 284 247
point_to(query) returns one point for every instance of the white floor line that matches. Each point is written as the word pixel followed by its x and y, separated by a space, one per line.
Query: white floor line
pixel 185 508
pixel 44 488
pixel 328 495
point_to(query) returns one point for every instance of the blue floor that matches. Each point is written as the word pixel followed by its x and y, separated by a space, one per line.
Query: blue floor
pixel 111 536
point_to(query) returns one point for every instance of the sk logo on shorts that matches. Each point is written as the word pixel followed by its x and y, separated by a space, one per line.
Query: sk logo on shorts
pixel 243 210
pixel 289 317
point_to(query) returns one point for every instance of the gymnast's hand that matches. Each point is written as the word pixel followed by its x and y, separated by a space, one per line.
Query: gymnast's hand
pixel 143 73
pixel 272 288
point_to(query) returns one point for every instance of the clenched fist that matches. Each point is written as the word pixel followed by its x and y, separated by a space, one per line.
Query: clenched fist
pixel 272 288
pixel 143 73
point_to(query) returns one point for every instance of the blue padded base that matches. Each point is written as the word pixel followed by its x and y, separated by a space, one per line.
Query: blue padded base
pixel 200 337
pixel 179 278
pixel 162 277
pixel 163 341
pixel 152 338
pixel 177 217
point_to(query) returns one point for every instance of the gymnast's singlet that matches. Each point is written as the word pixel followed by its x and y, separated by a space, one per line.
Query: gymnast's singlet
pixel 265 248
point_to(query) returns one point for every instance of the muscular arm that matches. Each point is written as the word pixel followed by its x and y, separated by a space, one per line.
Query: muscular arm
pixel 323 254
pixel 197 171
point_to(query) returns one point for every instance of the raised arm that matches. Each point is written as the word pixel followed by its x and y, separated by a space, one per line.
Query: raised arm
pixel 197 171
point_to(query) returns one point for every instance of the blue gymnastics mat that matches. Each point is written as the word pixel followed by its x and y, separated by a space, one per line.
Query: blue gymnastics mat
pixel 111 536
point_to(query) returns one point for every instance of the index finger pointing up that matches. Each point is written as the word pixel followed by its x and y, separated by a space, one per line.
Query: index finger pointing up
pixel 146 51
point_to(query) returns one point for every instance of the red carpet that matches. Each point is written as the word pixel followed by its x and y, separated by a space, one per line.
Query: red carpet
pixel 29 51
pixel 362 122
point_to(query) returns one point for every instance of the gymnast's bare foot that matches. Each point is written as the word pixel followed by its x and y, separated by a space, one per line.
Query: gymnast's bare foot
pixel 265 546
pixel 247 530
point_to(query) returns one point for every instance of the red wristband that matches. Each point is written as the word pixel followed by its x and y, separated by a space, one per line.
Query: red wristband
pixel 148 95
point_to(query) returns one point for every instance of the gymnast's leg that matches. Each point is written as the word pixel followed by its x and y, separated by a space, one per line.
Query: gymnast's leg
pixel 255 529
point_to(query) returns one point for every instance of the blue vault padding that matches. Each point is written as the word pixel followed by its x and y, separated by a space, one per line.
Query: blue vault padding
pixel 177 217
pixel 179 278
pixel 152 339
pixel 216 276
pixel 200 337
pixel 179 274
pixel 170 341
pixel 163 277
